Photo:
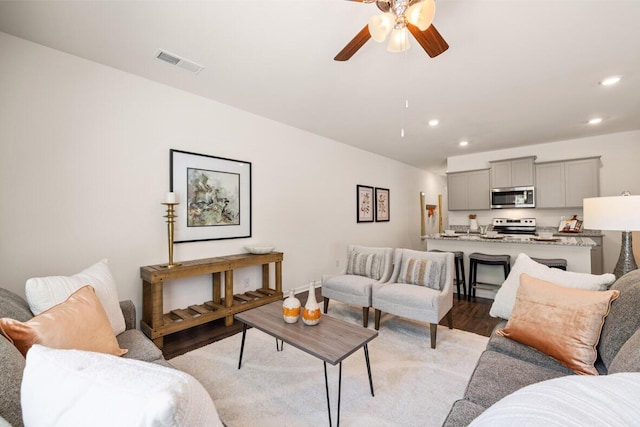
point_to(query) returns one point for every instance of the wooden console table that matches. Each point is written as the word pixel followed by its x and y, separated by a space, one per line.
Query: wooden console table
pixel 156 325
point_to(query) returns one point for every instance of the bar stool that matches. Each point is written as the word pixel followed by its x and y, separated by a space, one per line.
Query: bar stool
pixel 552 262
pixel 485 259
pixel 459 267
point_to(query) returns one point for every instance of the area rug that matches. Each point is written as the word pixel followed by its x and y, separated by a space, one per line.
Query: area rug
pixel 414 385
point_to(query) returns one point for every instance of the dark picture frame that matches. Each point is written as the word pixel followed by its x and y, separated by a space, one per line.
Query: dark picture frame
pixel 364 203
pixel 214 195
pixel 382 204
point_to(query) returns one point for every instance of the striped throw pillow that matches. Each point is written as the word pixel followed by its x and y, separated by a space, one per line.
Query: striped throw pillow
pixel 422 272
pixel 365 264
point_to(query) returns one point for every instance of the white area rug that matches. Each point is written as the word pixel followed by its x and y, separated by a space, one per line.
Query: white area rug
pixel 413 384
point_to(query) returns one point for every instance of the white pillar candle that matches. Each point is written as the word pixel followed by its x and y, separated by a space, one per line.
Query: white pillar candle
pixel 171 198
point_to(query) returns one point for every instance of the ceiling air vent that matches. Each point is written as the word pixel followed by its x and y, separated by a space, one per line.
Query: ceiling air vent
pixel 172 59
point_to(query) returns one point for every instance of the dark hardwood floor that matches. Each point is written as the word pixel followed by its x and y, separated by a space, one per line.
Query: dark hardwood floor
pixel 471 316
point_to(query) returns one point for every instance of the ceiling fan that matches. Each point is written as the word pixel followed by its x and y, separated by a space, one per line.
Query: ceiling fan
pixel 397 17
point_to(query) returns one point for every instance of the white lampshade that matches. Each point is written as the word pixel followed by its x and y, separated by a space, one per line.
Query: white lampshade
pixel 399 41
pixel 617 213
pixel 380 26
pixel 421 14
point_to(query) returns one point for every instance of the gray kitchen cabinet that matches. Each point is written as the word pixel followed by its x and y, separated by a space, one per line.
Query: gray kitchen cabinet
pixel 512 173
pixel 582 180
pixel 564 184
pixel 597 256
pixel 468 190
pixel 550 186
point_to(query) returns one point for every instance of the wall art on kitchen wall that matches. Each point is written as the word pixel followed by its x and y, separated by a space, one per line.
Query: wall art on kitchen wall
pixel 214 196
pixel 382 204
pixel 364 203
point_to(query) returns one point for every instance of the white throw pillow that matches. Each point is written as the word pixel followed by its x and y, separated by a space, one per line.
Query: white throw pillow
pixel 78 388
pixel 44 292
pixel 574 400
pixel 506 296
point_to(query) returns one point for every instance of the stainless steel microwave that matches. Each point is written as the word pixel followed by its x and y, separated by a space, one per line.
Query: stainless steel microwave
pixel 513 197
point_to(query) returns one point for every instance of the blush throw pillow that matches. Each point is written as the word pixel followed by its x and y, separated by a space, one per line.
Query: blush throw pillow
pixel 78 323
pixel 44 292
pixel 506 295
pixel 560 322
pixel 423 272
pixel 77 388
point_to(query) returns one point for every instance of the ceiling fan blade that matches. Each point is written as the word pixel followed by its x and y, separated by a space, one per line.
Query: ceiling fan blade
pixel 356 43
pixel 430 40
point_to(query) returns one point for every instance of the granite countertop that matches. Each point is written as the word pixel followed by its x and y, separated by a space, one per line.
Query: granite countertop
pixel 564 240
pixel 462 229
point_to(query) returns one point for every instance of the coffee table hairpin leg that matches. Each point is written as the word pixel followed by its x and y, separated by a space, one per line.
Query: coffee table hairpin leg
pixel 244 335
pixel 326 384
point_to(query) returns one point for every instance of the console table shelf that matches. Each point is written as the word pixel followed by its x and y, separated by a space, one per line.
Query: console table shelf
pixel 156 324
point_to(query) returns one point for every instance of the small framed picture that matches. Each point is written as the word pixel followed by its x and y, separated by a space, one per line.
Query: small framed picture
pixel 364 203
pixel 382 204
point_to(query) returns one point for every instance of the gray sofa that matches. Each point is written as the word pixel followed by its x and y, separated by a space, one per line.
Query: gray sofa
pixel 12 362
pixel 507 366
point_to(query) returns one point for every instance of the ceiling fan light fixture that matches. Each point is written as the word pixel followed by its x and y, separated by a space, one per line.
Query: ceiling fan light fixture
pixel 380 26
pixel 421 14
pixel 399 41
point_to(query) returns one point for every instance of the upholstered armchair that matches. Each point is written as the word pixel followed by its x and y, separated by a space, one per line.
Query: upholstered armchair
pixel 420 288
pixel 365 267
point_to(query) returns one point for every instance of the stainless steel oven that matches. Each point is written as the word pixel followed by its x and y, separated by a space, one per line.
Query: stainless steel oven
pixel 513 197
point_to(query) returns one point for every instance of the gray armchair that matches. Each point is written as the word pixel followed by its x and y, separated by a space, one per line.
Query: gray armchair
pixel 420 288
pixel 365 267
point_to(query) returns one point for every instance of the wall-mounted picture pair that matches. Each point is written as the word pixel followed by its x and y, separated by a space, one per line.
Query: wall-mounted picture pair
pixel 372 204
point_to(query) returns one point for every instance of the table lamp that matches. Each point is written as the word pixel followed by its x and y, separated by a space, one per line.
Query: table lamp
pixel 617 213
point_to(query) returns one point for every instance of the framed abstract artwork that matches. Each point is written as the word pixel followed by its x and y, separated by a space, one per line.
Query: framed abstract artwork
pixel 382 204
pixel 214 196
pixel 364 203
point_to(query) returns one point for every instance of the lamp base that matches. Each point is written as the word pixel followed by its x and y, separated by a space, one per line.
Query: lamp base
pixel 626 261
pixel 170 265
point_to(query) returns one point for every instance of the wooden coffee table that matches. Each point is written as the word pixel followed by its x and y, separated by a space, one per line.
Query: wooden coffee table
pixel 332 340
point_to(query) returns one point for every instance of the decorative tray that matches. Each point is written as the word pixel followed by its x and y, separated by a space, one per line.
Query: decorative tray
pixel 541 239
pixel 484 236
pixel 455 236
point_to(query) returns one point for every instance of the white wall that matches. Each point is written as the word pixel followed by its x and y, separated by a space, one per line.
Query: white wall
pixel 84 165
pixel 620 171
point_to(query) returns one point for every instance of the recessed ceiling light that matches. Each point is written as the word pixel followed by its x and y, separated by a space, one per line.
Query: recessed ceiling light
pixel 463 143
pixel 595 121
pixel 610 81
pixel 433 122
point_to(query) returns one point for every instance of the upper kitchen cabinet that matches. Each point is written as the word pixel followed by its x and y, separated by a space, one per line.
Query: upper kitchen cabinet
pixel 469 190
pixel 564 184
pixel 512 173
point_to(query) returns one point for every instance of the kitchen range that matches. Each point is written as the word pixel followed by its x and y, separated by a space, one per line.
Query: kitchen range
pixel 514 226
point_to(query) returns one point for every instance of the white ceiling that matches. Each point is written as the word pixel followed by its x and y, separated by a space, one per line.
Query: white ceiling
pixel 518 72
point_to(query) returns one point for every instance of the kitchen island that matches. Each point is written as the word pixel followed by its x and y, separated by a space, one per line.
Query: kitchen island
pixel 576 250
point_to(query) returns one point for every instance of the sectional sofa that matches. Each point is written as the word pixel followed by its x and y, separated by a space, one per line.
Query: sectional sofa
pixel 12 363
pixel 514 384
